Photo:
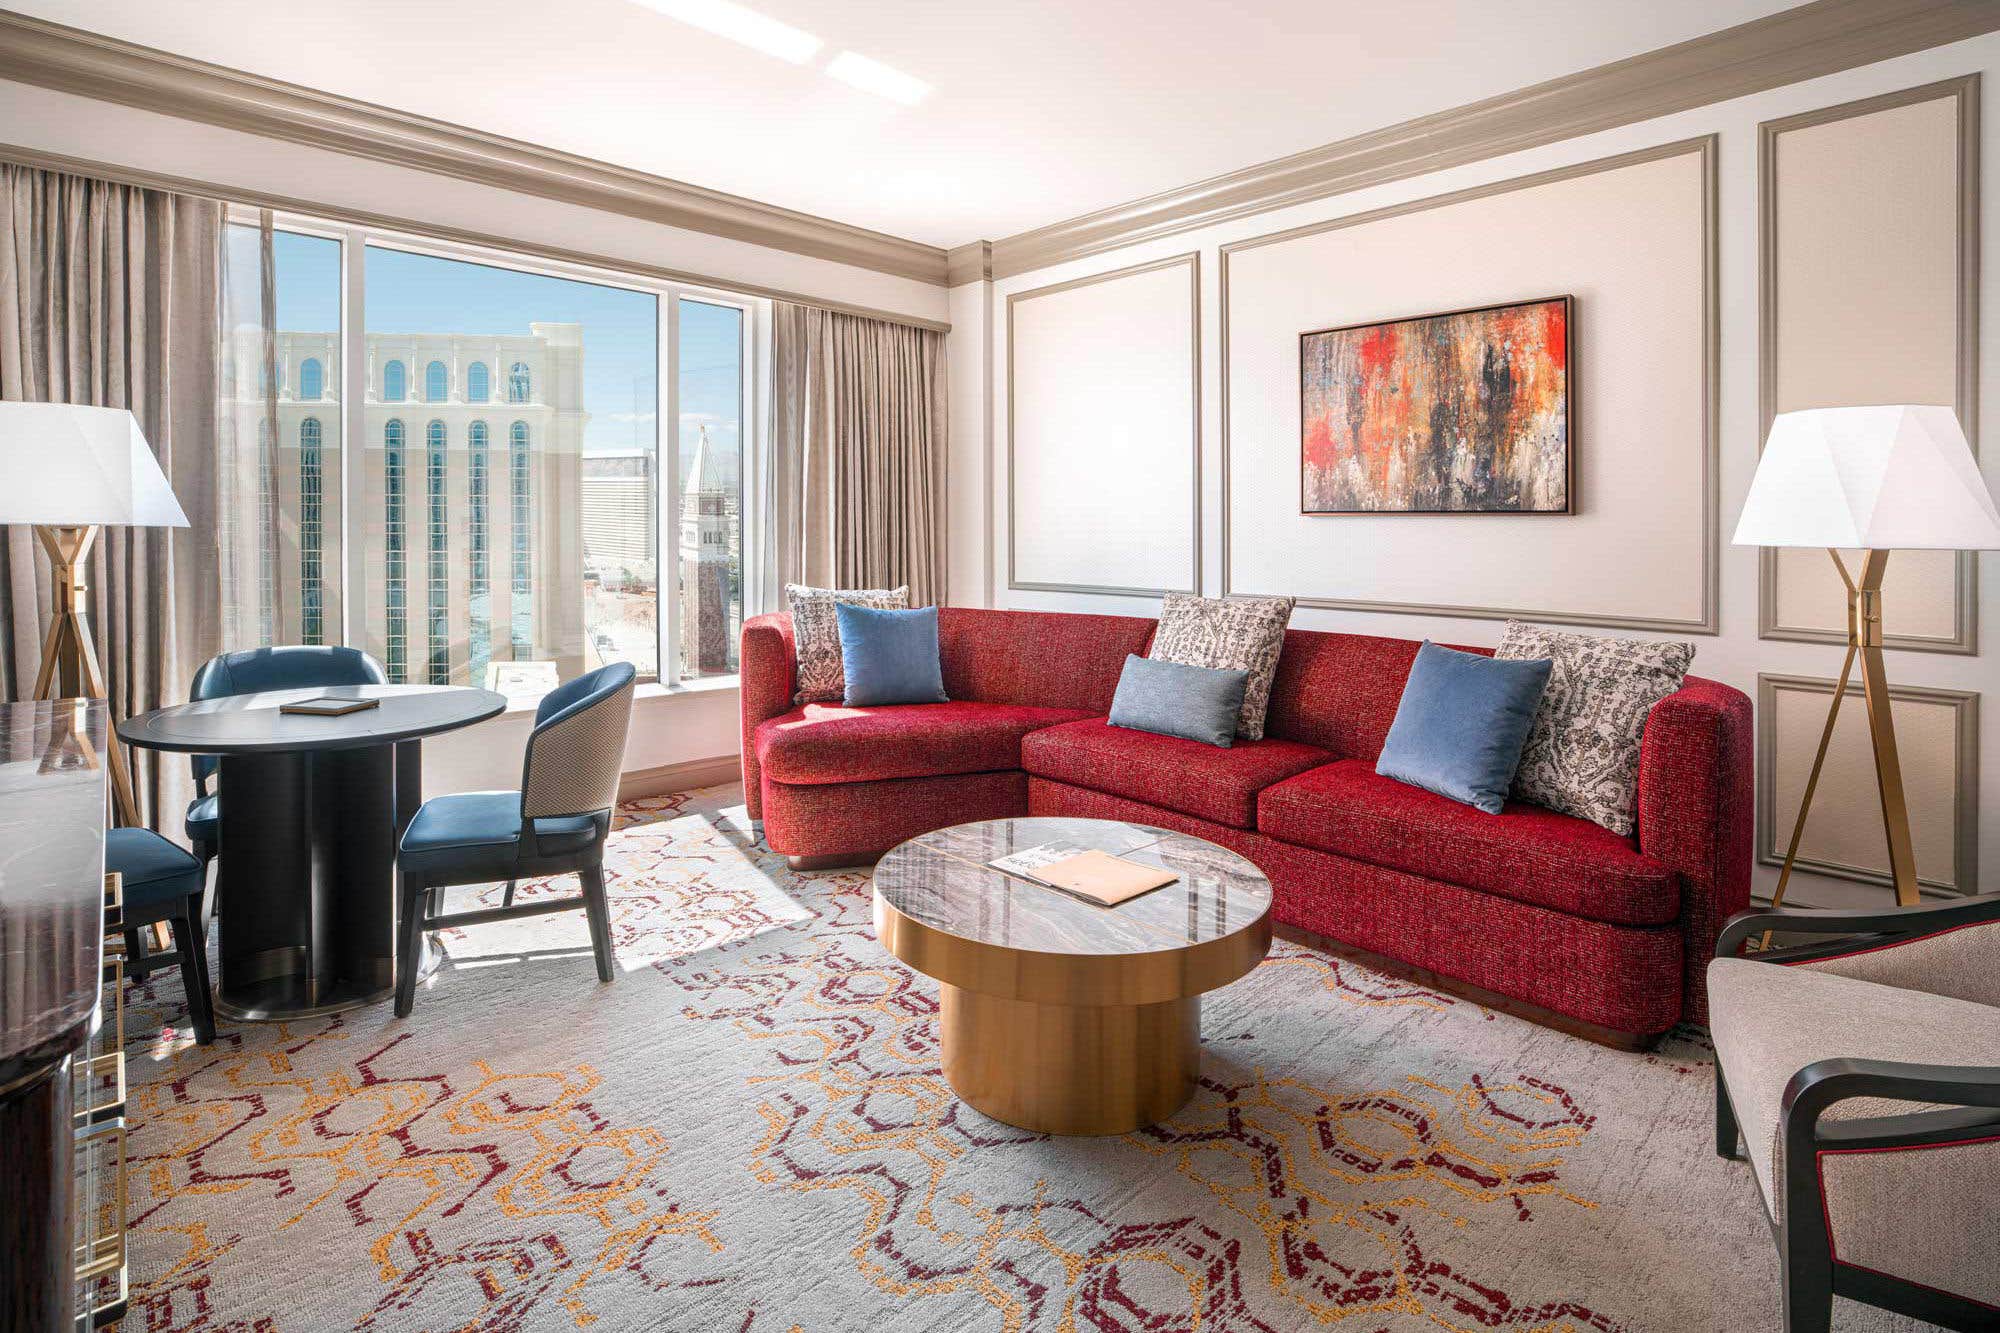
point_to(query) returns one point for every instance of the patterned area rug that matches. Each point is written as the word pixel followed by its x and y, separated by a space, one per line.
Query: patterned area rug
pixel 748 1131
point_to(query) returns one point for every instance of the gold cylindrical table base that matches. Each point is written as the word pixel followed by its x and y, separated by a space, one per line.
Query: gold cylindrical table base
pixel 1071 1069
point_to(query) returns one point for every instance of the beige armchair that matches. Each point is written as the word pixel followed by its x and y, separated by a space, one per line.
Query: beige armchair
pixel 1863 1071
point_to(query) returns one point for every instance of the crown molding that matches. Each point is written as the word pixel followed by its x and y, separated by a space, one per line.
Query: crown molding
pixel 971 262
pixel 1811 40
pixel 70 60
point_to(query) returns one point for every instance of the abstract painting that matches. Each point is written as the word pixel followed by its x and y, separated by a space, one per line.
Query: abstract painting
pixel 1465 412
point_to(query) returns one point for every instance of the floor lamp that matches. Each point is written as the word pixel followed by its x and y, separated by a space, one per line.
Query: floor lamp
pixel 71 471
pixel 1872 480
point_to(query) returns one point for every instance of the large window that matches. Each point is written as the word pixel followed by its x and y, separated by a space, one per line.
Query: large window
pixel 521 513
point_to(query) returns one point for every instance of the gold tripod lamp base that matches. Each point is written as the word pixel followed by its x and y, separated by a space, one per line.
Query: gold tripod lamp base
pixel 1864 644
pixel 69 659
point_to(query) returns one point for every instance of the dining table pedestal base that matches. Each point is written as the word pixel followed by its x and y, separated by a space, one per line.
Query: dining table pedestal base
pixel 306 879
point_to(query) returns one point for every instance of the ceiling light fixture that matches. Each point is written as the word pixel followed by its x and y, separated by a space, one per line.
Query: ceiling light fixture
pixel 739 23
pixel 872 76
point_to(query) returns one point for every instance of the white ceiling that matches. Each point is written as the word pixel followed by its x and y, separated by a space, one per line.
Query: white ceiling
pixel 1043 109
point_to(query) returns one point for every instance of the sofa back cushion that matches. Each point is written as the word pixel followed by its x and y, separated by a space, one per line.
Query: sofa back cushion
pixel 1046 659
pixel 1340 691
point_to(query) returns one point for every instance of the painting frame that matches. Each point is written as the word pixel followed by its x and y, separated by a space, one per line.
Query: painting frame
pixel 1569 471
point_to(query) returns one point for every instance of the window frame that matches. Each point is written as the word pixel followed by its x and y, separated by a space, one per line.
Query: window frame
pixel 355 373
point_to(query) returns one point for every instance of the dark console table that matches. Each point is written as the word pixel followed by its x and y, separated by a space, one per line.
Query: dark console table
pixel 61 1101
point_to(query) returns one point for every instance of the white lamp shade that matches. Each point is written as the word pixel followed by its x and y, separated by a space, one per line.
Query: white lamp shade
pixel 1869 478
pixel 69 466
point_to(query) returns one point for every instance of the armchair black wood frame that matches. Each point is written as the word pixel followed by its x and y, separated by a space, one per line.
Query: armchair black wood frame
pixel 1968 1095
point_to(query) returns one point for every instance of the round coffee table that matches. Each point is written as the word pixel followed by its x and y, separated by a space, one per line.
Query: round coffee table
pixel 1060 1015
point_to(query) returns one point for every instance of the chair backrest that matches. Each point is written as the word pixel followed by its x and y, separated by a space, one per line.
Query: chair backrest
pixel 287 667
pixel 577 749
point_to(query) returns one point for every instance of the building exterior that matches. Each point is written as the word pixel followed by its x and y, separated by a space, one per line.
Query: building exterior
pixel 711 609
pixel 469 540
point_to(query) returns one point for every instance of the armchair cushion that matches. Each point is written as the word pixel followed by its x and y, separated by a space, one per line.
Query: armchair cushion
pixel 158 876
pixel 476 833
pixel 1958 961
pixel 1770 1021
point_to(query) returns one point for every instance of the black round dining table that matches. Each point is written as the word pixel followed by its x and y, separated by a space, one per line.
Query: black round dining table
pixel 311 811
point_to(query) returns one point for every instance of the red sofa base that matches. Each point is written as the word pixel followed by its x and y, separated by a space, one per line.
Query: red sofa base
pixel 845 822
pixel 1623 979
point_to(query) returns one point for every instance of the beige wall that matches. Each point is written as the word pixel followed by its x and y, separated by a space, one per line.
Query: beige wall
pixel 1623 245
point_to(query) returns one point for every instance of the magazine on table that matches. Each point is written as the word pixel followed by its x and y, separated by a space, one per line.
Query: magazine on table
pixel 1084 872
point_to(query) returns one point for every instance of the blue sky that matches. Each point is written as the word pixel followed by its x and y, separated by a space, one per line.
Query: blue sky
pixel 422 294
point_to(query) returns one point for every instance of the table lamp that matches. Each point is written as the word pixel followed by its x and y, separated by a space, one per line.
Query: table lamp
pixel 1872 479
pixel 71 470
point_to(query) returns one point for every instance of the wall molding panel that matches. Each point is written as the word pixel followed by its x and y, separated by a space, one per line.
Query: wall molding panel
pixel 1707 619
pixel 1192 262
pixel 1963 637
pixel 1804 42
pixel 71 60
pixel 1773 833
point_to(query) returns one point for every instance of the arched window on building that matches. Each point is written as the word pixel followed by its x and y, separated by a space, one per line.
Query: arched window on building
pixel 478 383
pixel 521 627
pixel 437 383
pixel 396 632
pixel 395 383
pixel 517 382
pixel 437 569
pixel 311 530
pixel 478 597
pixel 312 380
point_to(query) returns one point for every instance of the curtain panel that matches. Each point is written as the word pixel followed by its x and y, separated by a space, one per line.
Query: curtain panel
pixel 858 453
pixel 108 299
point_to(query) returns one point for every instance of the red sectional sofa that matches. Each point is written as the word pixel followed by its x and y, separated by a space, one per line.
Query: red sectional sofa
pixel 1543 908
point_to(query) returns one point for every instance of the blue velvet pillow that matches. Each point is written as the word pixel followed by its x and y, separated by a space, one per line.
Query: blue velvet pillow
pixel 890 657
pixel 1174 699
pixel 1461 724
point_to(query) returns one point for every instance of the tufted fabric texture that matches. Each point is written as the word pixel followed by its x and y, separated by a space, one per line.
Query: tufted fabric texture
pixel 1196 779
pixel 1526 852
pixel 1962 962
pixel 1697 812
pixel 1769 1022
pixel 862 818
pixel 1049 659
pixel 1582 755
pixel 1626 978
pixel 574 760
pixel 833 743
pixel 820 679
pixel 1339 691
pixel 1230 634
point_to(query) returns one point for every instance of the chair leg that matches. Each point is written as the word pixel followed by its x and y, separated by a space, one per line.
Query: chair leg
pixel 507 898
pixel 1808 1293
pixel 189 944
pixel 1726 1130
pixel 206 855
pixel 595 907
pixel 135 955
pixel 410 944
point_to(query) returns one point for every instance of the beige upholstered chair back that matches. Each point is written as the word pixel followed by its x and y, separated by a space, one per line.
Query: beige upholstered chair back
pixel 574 762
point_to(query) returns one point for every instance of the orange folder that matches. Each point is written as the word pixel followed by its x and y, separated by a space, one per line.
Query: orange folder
pixel 1102 877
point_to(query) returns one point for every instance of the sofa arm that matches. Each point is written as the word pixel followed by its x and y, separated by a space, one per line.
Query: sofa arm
pixel 1697 813
pixel 768 666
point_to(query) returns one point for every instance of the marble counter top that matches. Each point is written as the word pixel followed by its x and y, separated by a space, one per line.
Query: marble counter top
pixel 52 789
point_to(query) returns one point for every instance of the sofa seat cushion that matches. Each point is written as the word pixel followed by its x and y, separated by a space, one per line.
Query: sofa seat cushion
pixel 1196 779
pixel 822 743
pixel 1770 1021
pixel 1525 852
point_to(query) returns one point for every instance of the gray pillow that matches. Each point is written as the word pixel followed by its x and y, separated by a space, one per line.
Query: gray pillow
pixel 816 635
pixel 1227 634
pixel 1582 755
pixel 1169 699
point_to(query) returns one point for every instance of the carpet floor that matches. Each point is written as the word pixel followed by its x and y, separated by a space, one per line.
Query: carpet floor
pixel 748 1132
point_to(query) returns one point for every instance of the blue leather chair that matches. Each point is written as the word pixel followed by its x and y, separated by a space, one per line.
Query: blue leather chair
pixel 162 883
pixel 555 824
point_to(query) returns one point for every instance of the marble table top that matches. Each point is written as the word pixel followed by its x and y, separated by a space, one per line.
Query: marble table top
pixel 252 724
pixel 941 880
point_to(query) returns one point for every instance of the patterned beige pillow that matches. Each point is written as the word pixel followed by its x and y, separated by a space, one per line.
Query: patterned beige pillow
pixel 1228 634
pixel 1582 755
pixel 816 634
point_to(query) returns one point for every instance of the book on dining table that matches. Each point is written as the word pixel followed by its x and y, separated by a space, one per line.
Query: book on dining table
pixel 328 705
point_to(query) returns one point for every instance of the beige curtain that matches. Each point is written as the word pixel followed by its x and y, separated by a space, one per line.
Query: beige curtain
pixel 858 443
pixel 108 298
